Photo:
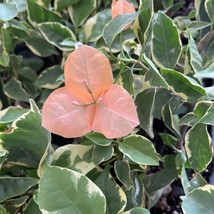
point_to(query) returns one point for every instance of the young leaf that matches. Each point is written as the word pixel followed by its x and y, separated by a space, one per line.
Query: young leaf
pixel 98 139
pixel 116 25
pixel 77 193
pixel 197 145
pixel 166 44
pixel 199 200
pixel 140 150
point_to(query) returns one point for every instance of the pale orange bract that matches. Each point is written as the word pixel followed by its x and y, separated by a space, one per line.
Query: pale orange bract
pixel 89 101
pixel 121 7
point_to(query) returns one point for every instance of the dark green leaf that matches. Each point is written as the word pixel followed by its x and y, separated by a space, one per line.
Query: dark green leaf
pixel 116 25
pixel 209 6
pixel 166 44
pixel 11 187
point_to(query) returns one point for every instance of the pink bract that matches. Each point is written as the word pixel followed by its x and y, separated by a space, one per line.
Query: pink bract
pixel 89 101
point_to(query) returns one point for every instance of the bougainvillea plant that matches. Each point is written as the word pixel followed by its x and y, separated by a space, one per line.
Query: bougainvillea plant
pixel 106 107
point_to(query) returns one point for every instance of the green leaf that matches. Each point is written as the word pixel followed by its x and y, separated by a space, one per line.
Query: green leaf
pixel 183 86
pixel 206 73
pixel 199 200
pixel 204 111
pixel 38 45
pixel 4 59
pixel 115 197
pixel 153 76
pixel 11 187
pixel 145 109
pixel 39 14
pixel 195 25
pixel 171 121
pixel 166 44
pixel 20 4
pixel 168 139
pixel 55 33
pixel 102 153
pixel 137 210
pixel 188 119
pixel 158 180
pixel 195 57
pixel 128 81
pixel 76 194
pixel 122 171
pixel 98 139
pixel 116 25
pixel 27 140
pixel 10 114
pixel 14 90
pixel 32 208
pixel 75 157
pixel 3 156
pixel 198 147
pixel 59 5
pixel 197 181
pixel 140 150
pixel 209 6
pixel 7 12
pixel 80 11
pixel 49 78
pixel 94 26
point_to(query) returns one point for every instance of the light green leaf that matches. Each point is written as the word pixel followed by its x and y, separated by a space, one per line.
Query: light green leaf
pixel 199 200
pixel 3 156
pixel 4 59
pixel 20 4
pixel 195 25
pixel 145 109
pixel 116 25
pixel 206 73
pixel 27 140
pixel 198 147
pixel 184 180
pixel 166 44
pixel 39 14
pixel 14 90
pixel 184 86
pixel 75 157
pixel 188 119
pixel 10 114
pixel 102 153
pixel 195 57
pixel 158 180
pixel 209 6
pixel 98 139
pixel 76 194
pixel 140 150
pixel 137 210
pixel 11 187
pixel 115 196
pixel 49 77
pixel 153 76
pixel 80 11
pixel 55 33
pixel 197 181
pixel 7 12
pixel 122 170
pixel 38 45
pixel 204 112
pixel 94 26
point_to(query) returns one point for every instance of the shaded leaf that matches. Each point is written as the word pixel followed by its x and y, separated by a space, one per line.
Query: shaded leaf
pixel 197 181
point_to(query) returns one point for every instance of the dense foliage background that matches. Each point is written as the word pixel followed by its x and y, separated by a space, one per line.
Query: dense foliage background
pixel 165 60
